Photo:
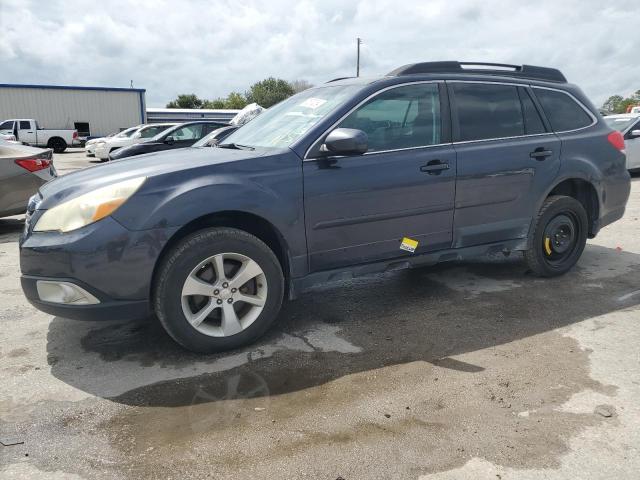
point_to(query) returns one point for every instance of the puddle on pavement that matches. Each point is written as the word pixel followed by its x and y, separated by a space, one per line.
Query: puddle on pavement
pixel 399 374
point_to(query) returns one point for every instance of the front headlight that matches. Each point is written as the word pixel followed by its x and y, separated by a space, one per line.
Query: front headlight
pixel 88 208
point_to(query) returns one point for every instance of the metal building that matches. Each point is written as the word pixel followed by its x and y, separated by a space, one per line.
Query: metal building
pixel 93 111
pixel 157 115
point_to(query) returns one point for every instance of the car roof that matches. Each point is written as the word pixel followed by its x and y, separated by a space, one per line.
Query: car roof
pixel 478 71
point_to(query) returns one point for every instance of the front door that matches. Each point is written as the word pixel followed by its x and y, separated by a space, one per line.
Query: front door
pixel 632 147
pixel 6 128
pixel 359 208
pixel 506 160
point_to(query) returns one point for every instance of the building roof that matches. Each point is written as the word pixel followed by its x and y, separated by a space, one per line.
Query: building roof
pixel 191 110
pixel 72 87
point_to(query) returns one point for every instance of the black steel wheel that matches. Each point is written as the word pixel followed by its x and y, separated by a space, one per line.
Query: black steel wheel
pixel 559 236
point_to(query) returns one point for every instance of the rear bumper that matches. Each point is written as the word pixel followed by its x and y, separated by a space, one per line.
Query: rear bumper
pixel 609 218
pixel 107 309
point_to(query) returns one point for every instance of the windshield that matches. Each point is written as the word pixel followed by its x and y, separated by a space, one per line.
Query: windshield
pixel 215 136
pixel 127 133
pixel 284 123
pixel 620 123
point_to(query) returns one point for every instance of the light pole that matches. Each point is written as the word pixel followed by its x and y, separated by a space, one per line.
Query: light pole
pixel 358 42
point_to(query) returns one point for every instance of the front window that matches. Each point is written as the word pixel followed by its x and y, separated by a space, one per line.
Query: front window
pixel 153 131
pixel 189 132
pixel 620 123
pixel 401 117
pixel 284 123
pixel 8 125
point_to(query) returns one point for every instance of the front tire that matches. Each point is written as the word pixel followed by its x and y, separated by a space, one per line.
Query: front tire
pixel 218 289
pixel 559 236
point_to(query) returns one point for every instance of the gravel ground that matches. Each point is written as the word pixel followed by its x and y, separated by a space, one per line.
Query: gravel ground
pixel 473 370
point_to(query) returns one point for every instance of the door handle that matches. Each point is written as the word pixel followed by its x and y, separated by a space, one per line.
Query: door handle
pixel 434 167
pixel 541 153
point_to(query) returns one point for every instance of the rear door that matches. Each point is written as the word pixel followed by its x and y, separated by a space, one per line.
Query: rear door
pixel 358 208
pixel 507 157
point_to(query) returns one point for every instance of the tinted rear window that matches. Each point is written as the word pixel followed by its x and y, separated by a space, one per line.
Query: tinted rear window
pixel 562 110
pixel 487 111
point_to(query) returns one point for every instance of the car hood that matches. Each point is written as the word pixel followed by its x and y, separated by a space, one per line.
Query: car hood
pixel 148 165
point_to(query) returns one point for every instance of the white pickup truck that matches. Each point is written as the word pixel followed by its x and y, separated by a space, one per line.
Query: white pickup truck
pixel 26 130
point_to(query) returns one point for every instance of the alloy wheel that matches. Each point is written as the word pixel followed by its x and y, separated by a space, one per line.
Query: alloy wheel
pixel 224 294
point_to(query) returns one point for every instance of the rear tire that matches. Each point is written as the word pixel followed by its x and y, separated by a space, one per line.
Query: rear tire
pixel 559 236
pixel 215 317
pixel 57 144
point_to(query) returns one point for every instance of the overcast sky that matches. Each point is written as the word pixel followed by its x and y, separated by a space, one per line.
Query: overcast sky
pixel 211 47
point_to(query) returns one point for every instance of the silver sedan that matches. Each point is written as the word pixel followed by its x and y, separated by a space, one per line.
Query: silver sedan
pixel 22 170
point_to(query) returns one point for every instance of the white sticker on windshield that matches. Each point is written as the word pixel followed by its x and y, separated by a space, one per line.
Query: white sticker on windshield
pixel 313 102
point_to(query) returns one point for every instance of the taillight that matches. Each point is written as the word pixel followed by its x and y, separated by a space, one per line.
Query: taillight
pixel 34 164
pixel 75 134
pixel 616 139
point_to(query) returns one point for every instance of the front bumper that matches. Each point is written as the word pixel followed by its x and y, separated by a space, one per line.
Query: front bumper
pixel 107 309
pixel 101 152
pixel 113 264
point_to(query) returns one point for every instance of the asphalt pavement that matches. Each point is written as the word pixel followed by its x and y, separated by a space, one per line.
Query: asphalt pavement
pixel 472 370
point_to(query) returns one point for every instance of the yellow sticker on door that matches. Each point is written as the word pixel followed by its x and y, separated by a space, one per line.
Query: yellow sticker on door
pixel 409 244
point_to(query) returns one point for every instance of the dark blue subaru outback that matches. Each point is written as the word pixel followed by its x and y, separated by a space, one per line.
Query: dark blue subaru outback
pixel 432 162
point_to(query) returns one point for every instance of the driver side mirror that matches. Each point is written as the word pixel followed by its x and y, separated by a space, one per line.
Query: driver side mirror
pixel 169 140
pixel 346 141
pixel 634 134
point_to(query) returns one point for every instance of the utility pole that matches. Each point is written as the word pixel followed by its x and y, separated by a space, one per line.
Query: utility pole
pixel 358 42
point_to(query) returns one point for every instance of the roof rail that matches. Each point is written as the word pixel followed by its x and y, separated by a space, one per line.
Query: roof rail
pixel 503 69
pixel 339 78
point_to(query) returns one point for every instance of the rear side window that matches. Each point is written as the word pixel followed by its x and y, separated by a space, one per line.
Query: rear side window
pixel 487 111
pixel 25 125
pixel 401 117
pixel 532 122
pixel 562 111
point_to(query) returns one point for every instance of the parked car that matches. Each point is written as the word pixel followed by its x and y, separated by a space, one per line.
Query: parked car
pixel 103 149
pixel 430 163
pixel 244 116
pixel 629 125
pixel 23 170
pixel 27 131
pixel 91 145
pixel 180 136
pixel 216 136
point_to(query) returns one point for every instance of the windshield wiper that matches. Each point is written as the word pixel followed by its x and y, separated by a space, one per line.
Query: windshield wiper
pixel 235 146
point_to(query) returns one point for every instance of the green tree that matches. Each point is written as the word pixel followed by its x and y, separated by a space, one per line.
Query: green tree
pixel 189 100
pixel 612 104
pixel 235 100
pixel 618 104
pixel 300 85
pixel 268 92
pixel 218 103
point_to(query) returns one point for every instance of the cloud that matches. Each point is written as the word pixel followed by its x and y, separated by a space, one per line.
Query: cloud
pixel 213 47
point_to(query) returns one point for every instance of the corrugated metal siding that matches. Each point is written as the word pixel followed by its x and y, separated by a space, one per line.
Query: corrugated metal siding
pixel 105 111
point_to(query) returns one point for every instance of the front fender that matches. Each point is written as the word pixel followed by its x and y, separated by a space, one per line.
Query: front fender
pixel 268 187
